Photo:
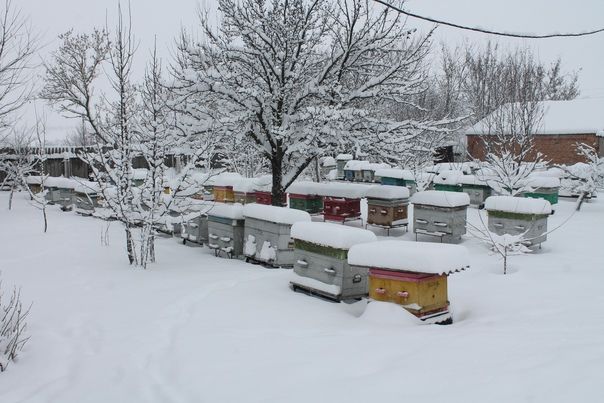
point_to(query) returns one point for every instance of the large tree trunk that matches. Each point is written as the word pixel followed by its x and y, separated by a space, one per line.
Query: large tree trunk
pixel 277 192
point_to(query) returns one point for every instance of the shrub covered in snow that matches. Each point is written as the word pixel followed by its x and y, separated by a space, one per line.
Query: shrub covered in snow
pixel 13 326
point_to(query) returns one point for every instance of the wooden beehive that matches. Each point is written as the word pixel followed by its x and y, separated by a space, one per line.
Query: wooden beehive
pixel 546 188
pixel 517 215
pixel 477 189
pixel 306 196
pixel 342 201
pixel 387 206
pixel 267 234
pixel 397 177
pixel 321 265
pixel 225 230
pixel 86 198
pixel 341 161
pixel 441 214
pixel 412 275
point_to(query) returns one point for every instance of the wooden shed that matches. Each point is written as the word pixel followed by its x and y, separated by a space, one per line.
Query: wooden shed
pixel 440 213
pixel 222 187
pixel 476 188
pixel 518 215
pixel 267 234
pixel 342 201
pixel 306 196
pixel 341 160
pixel 543 187
pixel 321 260
pixel 225 230
pixel 86 197
pixel 410 274
pixel 397 177
pixel 387 206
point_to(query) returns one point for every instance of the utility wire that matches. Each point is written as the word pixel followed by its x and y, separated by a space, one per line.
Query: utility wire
pixel 487 31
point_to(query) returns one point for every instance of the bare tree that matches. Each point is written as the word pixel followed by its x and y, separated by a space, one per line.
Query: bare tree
pixel 18 161
pixel 17 47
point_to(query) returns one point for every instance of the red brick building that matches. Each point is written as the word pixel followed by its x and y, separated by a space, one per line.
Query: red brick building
pixel 563 125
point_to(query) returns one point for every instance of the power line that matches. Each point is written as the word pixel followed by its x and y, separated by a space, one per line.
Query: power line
pixel 487 31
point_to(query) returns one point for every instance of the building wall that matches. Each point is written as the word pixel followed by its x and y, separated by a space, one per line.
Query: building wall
pixel 558 149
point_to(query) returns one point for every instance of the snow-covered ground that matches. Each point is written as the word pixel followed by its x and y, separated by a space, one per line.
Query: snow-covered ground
pixel 195 328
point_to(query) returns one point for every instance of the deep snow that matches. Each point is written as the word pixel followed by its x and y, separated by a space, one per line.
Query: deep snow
pixel 195 328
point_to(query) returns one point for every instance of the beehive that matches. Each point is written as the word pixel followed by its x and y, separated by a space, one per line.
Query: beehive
pixel 517 215
pixel 387 206
pixel 410 274
pixel 225 229
pixel 439 213
pixel 321 265
pixel 267 234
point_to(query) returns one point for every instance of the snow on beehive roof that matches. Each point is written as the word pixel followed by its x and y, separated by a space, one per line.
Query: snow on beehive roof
pixel 471 180
pixel 387 192
pixel 343 157
pixel 328 162
pixel 232 211
pixel 395 173
pixel 33 180
pixel 518 205
pixel 280 215
pixel 542 182
pixel 87 187
pixel 340 189
pixel 357 165
pixel 227 179
pixel 245 185
pixel 448 177
pixel 305 188
pixel 422 257
pixel 441 198
pixel 263 183
pixel 578 116
pixel 60 182
pixel 332 235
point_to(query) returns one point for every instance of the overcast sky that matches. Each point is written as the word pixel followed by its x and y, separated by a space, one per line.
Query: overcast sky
pixel 163 18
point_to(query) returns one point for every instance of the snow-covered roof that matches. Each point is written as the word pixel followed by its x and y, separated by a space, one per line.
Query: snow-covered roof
pixel 518 205
pixel 343 157
pixel 356 165
pixel 60 182
pixel 578 116
pixel 227 179
pixel 441 198
pixel 328 162
pixel 332 235
pixel 448 177
pixel 87 188
pixel 263 183
pixel 346 190
pixel 33 180
pixel 395 173
pixel 387 192
pixel 305 188
pixel 471 180
pixel 232 211
pixel 422 257
pixel 281 215
pixel 535 181
pixel 245 185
